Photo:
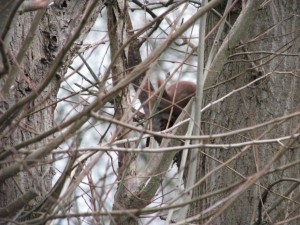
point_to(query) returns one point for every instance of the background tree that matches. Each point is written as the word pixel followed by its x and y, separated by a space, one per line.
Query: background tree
pixel 239 162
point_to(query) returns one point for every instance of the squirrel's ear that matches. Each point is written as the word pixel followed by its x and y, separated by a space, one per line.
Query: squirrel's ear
pixel 159 82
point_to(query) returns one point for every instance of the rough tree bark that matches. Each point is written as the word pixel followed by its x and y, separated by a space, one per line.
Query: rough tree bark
pixel 54 26
pixel 274 43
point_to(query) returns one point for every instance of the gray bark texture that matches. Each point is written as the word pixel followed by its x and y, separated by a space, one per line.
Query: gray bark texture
pixel 274 43
pixel 22 192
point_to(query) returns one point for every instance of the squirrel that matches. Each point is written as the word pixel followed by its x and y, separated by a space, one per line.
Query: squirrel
pixel 176 96
pixel 173 99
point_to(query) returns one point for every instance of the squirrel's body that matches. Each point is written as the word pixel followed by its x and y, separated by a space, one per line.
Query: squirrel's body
pixel 177 96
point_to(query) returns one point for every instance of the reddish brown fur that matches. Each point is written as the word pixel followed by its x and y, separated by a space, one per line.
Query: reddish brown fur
pixel 174 98
pixel 180 94
pixel 177 96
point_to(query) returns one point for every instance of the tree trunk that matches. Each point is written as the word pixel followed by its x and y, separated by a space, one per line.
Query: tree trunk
pixel 276 30
pixel 34 121
pixel 54 27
